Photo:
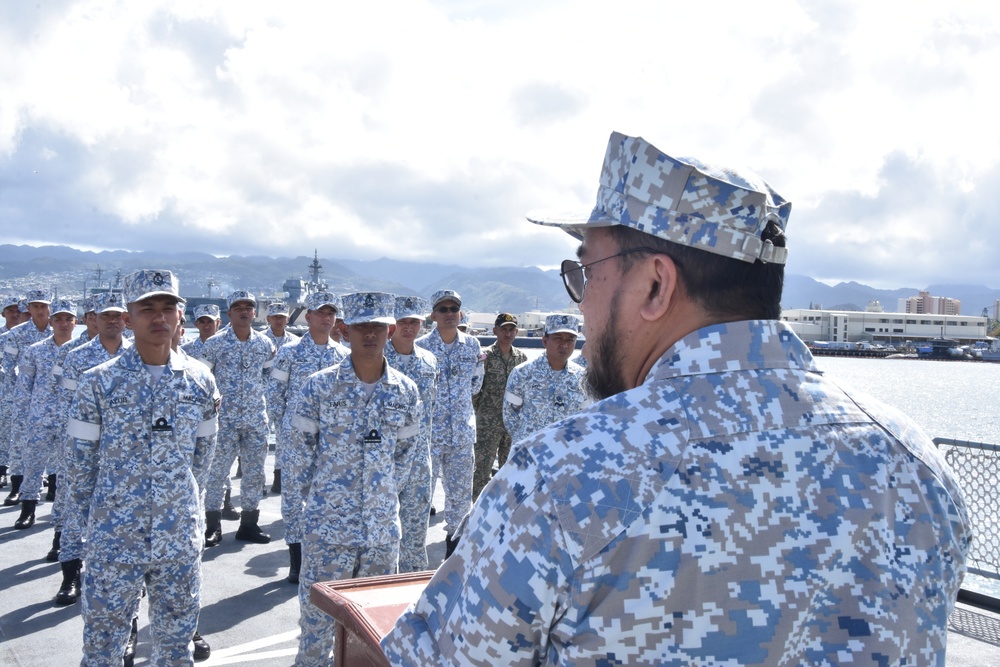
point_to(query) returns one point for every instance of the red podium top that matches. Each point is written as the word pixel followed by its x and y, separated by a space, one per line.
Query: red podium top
pixel 365 610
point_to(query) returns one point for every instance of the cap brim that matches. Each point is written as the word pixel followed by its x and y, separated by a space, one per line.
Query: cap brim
pixel 149 295
pixel 571 223
pixel 374 320
pixel 109 309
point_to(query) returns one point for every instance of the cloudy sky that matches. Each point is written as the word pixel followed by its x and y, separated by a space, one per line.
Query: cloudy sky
pixel 425 129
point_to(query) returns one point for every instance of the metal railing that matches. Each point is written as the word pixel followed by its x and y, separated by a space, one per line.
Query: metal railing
pixel 977 467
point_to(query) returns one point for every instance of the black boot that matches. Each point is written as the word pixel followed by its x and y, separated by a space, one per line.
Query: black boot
pixel 69 591
pixel 201 648
pixel 3 476
pixel 239 468
pixel 50 495
pixel 276 486
pixel 295 562
pixel 14 497
pixel 128 659
pixel 249 531
pixel 53 555
pixel 213 528
pixel 27 518
pixel 449 545
pixel 229 513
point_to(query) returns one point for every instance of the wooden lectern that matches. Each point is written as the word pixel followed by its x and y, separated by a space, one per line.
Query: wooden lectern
pixel 365 610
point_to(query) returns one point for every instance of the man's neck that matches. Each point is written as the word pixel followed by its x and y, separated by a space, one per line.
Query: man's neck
pixel 60 340
pixel 448 335
pixel 402 346
pixel 111 343
pixel 553 365
pixel 368 372
pixel 319 337
pixel 153 354
pixel 505 349
pixel 242 333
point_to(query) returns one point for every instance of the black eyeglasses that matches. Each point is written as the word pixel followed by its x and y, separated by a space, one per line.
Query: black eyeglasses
pixel 448 309
pixel 576 281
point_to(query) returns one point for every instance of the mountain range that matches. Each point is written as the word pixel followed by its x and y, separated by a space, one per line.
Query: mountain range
pixel 70 272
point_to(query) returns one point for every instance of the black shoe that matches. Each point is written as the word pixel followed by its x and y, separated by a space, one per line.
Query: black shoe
pixel 249 531
pixel 53 555
pixel 213 528
pixel 69 591
pixel 239 468
pixel 27 518
pixel 433 511
pixel 201 648
pixel 50 495
pixel 3 476
pixel 449 545
pixel 229 513
pixel 295 562
pixel 276 485
pixel 128 659
pixel 14 497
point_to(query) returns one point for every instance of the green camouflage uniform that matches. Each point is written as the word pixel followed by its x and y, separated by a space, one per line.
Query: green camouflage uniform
pixel 492 439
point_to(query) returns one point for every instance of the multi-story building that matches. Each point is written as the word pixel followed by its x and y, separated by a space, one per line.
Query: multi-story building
pixel 925 304
pixel 872 326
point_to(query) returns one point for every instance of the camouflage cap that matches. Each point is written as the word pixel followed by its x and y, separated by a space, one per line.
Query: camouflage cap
pixel 682 200
pixel 277 308
pixel 207 310
pixel 504 319
pixel 87 304
pixel 240 295
pixel 8 301
pixel 445 295
pixel 149 283
pixel 562 324
pixel 107 302
pixel 39 296
pixel 362 307
pixel 463 322
pixel 317 300
pixel 22 305
pixel 411 307
pixel 63 306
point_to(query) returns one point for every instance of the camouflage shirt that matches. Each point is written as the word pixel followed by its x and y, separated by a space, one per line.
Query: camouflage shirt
pixel 460 375
pixel 734 509
pixel 345 442
pixel 496 369
pixel 239 368
pixel 142 452
pixel 537 396
pixel 421 367
pixel 296 361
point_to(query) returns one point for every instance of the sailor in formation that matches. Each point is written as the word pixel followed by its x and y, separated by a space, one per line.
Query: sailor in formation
pixel 295 362
pixel 543 391
pixel 107 344
pixel 207 320
pixel 12 317
pixel 460 375
pixel 351 423
pixel 143 429
pixel 238 357
pixel 277 323
pixel 16 343
pixel 38 392
pixel 413 468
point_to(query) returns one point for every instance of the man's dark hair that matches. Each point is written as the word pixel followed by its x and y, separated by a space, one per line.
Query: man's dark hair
pixel 726 288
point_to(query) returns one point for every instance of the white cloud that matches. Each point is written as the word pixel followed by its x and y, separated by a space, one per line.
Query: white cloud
pixel 425 130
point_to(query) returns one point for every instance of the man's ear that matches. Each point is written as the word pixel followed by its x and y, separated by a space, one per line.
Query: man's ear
pixel 392 330
pixel 127 320
pixel 659 277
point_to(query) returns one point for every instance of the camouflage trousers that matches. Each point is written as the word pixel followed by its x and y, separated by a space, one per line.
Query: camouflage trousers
pixel 453 465
pixel 111 593
pixel 41 449
pixel 13 437
pixel 6 422
pixel 328 562
pixel 293 489
pixel 250 444
pixel 492 444
pixel 413 480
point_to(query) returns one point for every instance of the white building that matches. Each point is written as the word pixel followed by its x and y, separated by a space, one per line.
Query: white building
pixel 879 327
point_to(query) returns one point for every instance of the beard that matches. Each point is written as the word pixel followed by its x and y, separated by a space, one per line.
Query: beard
pixel 604 366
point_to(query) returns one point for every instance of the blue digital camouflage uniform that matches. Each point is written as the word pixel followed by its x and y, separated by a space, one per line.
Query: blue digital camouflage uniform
pixel 737 508
pixel 73 366
pixel 39 389
pixel 281 341
pixel 295 362
pixel 16 342
pixel 194 348
pixel 492 439
pixel 142 450
pixel 345 444
pixel 413 468
pixel 537 396
pixel 239 368
pixel 460 375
